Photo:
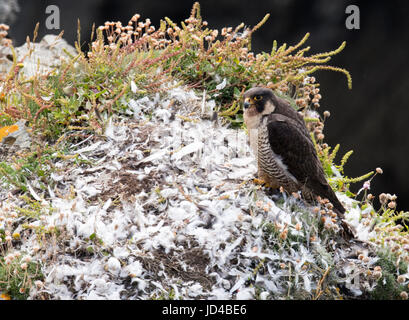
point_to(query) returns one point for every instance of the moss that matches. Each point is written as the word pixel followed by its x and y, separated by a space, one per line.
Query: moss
pixel 16 281
pixel 387 287
pixel 165 295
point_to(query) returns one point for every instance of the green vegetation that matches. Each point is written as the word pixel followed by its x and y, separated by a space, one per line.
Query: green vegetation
pixel 17 275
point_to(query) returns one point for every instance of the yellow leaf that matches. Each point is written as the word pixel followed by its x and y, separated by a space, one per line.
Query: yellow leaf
pixel 4 296
pixel 5 131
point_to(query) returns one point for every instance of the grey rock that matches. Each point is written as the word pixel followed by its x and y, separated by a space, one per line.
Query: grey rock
pixel 46 55
pixel 8 10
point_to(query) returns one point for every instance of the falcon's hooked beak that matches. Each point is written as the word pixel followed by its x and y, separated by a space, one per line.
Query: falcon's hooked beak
pixel 247 103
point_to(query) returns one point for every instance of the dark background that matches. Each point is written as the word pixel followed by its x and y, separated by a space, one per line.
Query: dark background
pixel 372 118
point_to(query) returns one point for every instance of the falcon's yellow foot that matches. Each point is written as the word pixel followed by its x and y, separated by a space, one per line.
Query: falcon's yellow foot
pixel 261 182
pixel 258 181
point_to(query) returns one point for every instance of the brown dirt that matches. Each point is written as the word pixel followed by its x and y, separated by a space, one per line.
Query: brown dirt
pixel 195 259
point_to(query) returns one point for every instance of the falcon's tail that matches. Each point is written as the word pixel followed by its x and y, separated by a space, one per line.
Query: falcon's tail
pixel 324 190
pixel 339 208
pixel 340 211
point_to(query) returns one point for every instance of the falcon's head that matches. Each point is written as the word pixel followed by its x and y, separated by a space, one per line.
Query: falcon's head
pixel 258 101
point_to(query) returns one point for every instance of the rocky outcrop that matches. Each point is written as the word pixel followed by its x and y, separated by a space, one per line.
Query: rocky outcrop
pixel 44 57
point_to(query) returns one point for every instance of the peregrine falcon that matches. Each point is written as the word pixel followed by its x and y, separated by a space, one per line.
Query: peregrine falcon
pixel 285 153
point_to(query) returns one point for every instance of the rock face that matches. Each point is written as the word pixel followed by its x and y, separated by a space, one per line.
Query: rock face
pixel 46 55
pixel 8 8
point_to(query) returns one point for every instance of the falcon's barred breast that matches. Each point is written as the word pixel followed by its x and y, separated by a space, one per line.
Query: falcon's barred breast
pixel 285 153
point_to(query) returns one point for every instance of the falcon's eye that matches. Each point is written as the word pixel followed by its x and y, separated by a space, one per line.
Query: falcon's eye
pixel 257 98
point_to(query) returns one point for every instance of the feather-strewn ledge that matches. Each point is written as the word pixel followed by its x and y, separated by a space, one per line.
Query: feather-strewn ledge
pixel 127 173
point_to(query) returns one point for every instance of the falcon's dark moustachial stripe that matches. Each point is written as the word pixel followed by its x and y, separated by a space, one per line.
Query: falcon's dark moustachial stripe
pixel 285 153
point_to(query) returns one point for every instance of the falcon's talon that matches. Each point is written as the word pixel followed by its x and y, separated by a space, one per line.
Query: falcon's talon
pixel 259 181
pixel 262 183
